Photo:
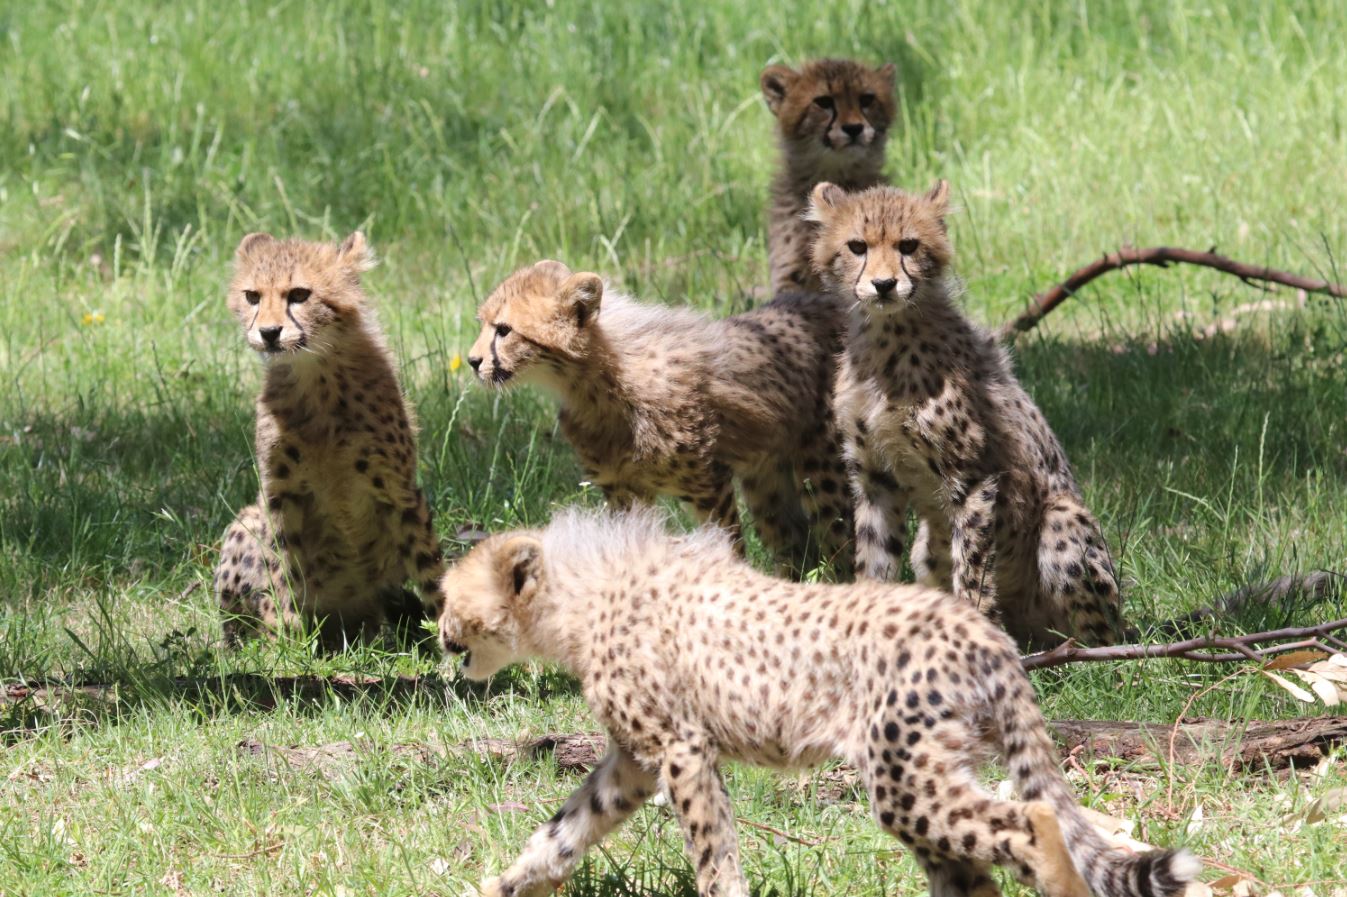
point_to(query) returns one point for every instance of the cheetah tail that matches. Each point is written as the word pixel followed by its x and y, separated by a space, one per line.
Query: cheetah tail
pixel 1109 871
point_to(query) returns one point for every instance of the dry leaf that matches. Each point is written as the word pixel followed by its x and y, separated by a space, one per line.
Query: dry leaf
pixel 1226 882
pixel 1326 690
pixel 1243 888
pixel 144 767
pixel 1332 802
pixel 1294 659
pixel 1296 691
pixel 1195 821
pixel 440 866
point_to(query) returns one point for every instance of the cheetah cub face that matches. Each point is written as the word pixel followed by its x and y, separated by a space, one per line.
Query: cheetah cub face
pixel 833 109
pixel 288 293
pixel 880 247
pixel 538 312
pixel 485 596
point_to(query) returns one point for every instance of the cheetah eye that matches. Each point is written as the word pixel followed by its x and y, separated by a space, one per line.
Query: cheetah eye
pixel 908 246
pixel 297 295
pixel 857 246
pixel 866 100
pixel 502 330
pixel 823 102
pixel 252 296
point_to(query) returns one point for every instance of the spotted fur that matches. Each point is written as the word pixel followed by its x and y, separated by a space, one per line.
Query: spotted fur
pixel 665 401
pixel 833 117
pixel 689 657
pixel 935 421
pixel 340 524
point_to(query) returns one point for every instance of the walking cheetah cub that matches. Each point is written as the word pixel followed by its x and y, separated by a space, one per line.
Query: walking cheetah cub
pixel 340 524
pixel 664 401
pixel 934 420
pixel 689 657
pixel 833 117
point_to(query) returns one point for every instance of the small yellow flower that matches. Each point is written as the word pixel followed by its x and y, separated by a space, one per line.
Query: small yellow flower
pixel 93 317
pixel 455 363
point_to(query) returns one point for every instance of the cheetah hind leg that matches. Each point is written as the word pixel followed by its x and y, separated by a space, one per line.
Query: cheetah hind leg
pixel 250 586
pixel 958 878
pixel 1078 580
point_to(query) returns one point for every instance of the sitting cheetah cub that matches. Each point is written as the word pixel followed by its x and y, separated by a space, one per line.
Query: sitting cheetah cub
pixel 689 657
pixel 833 117
pixel 341 523
pixel 935 420
pixel 665 401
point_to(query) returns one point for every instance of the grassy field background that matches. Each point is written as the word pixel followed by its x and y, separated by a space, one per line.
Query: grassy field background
pixel 141 140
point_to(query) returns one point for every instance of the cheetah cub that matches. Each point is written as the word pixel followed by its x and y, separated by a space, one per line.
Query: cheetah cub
pixel 341 523
pixel 689 657
pixel 833 117
pixel 666 401
pixel 935 421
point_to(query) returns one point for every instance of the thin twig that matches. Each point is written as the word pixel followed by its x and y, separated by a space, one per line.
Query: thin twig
pixel 1160 257
pixel 807 842
pixel 1209 649
pixel 1174 733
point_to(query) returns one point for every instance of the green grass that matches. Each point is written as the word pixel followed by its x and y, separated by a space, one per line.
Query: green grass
pixel 140 141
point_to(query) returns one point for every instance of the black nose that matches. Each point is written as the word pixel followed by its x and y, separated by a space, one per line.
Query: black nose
pixel 884 286
pixel 270 335
pixel 474 362
pixel 853 130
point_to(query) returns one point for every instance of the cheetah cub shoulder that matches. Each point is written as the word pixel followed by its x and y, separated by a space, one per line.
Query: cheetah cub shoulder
pixel 689 657
pixel 935 421
pixel 341 524
pixel 662 401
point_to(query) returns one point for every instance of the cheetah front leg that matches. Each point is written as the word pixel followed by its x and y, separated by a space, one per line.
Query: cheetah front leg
pixel 973 542
pixel 423 562
pixel 702 806
pixel 610 794
pixel 772 495
pixel 826 495
pixel 881 520
pixel 714 503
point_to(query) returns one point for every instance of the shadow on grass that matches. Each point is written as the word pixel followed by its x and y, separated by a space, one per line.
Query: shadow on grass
pixel 30 709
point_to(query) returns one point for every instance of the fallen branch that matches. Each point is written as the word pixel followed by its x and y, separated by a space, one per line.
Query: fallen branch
pixel 1161 257
pixel 1252 745
pixel 1209 649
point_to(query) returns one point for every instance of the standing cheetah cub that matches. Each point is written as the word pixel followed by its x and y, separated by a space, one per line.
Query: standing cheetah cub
pixel 689 657
pixel 665 401
pixel 934 420
pixel 341 524
pixel 833 117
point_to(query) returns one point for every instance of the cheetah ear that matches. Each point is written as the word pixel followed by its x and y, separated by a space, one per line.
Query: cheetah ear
pixel 938 196
pixel 552 268
pixel 355 253
pixel 889 72
pixel 520 565
pixel 775 81
pixel 253 242
pixel 581 295
pixel 823 201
